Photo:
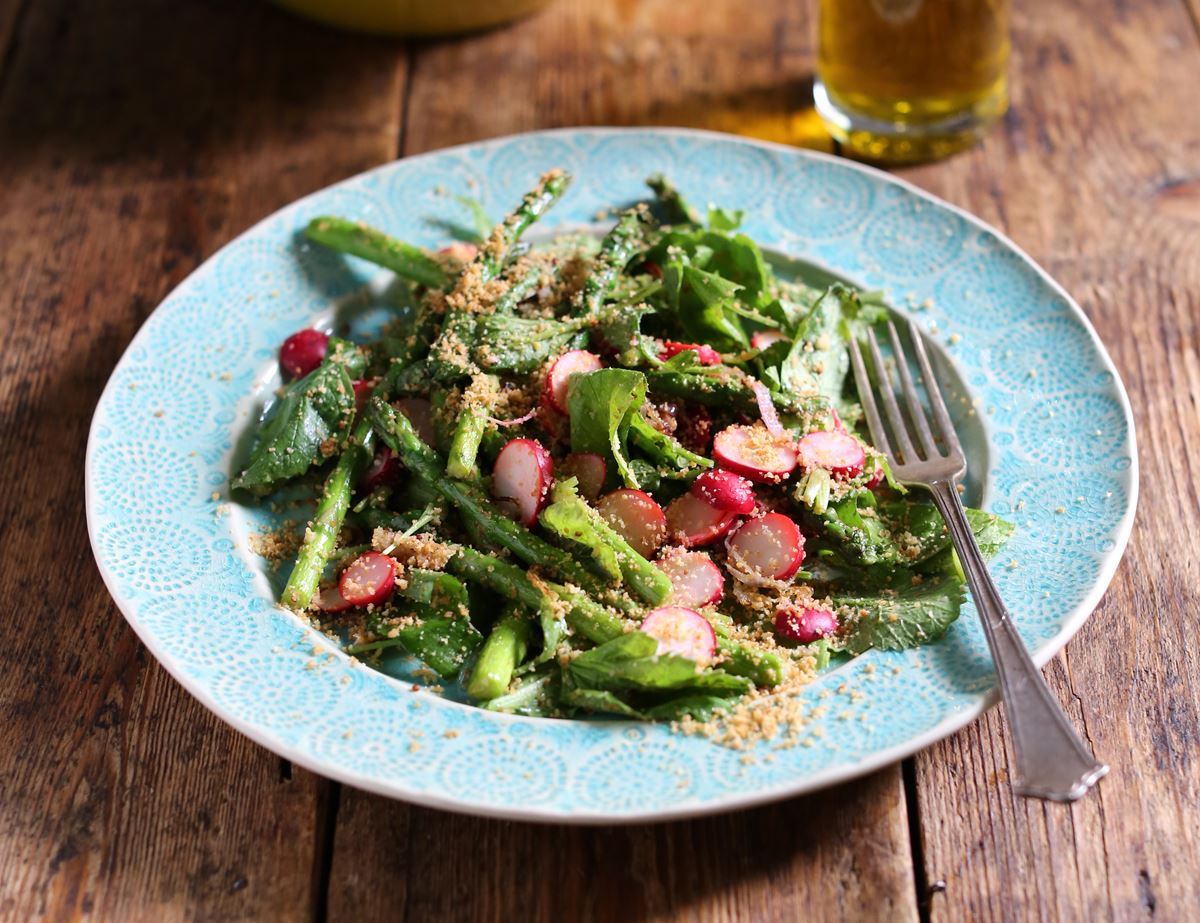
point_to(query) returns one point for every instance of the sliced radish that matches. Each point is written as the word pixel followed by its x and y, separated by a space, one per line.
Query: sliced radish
pixel 705 355
pixel 575 362
pixel 302 352
pixel 691 522
pixel 653 269
pixel 681 631
pixel 589 469
pixel 754 453
pixel 330 599
pixel 726 491
pixel 765 338
pixel 523 473
pixel 695 580
pixel 768 546
pixel 766 410
pixel 420 414
pixel 384 469
pixel 369 579
pixel 637 517
pixel 804 624
pixel 838 453
pixel 461 251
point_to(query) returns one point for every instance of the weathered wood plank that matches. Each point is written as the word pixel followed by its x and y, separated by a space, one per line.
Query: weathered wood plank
pixel 1097 174
pixel 135 142
pixel 743 67
pixel 9 10
pixel 841 855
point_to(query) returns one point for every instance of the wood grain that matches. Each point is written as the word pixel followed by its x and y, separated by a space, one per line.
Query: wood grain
pixel 743 67
pixel 9 11
pixel 132 144
pixel 841 855
pixel 1097 174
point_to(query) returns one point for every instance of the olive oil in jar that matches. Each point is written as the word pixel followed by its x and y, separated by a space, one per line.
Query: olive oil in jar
pixel 905 80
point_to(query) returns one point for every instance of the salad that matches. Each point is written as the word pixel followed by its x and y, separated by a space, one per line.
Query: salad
pixel 623 476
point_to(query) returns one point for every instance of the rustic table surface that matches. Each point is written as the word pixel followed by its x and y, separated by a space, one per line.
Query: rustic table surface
pixel 138 136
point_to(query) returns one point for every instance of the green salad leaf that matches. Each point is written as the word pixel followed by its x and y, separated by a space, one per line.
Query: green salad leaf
pixel 632 662
pixel 600 405
pixel 310 412
pixel 900 618
pixel 510 343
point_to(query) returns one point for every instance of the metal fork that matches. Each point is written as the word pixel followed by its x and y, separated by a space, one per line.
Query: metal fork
pixel 1052 762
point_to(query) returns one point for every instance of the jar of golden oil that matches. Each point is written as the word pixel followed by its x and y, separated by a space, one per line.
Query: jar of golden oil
pixel 907 80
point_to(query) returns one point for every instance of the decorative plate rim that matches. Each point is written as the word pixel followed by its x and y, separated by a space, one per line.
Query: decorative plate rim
pixel 1109 559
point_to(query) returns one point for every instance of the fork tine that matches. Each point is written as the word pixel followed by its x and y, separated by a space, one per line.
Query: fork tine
pixel 916 412
pixel 891 408
pixel 935 393
pixel 867 398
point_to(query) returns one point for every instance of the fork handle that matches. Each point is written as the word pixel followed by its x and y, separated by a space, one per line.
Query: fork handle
pixel 1052 762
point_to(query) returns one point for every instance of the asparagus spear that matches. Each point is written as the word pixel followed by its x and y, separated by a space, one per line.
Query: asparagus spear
pixel 502 653
pixel 453 345
pixel 763 668
pixel 572 518
pixel 617 249
pixel 664 449
pixel 395 430
pixel 359 239
pixel 585 615
pixel 322 533
pixel 517 292
pixel 534 204
pixel 675 207
pixel 464 446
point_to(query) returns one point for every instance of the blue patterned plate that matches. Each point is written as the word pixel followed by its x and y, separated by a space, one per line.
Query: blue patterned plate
pixel 1043 408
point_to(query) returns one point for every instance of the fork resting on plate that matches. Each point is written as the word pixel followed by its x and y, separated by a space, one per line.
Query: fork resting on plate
pixel 1052 762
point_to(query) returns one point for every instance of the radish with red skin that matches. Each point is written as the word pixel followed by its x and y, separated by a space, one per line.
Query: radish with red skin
pixel 705 355
pixel 636 517
pixel 589 469
pixel 461 251
pixel 838 453
pixel 753 452
pixel 683 632
pixel 726 491
pixel 770 546
pixel 804 624
pixel 653 269
pixel 764 338
pixel 302 352
pixel 693 523
pixel 575 362
pixel 523 474
pixel 330 599
pixel 696 581
pixel 384 469
pixel 369 579
pixel 420 414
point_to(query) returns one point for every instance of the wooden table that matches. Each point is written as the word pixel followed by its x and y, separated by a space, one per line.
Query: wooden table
pixel 138 136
